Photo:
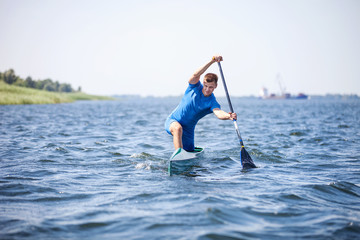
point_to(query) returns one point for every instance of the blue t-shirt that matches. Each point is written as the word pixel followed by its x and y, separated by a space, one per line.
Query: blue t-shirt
pixel 194 106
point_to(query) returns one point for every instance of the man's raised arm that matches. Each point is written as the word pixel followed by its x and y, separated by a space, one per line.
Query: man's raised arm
pixel 196 76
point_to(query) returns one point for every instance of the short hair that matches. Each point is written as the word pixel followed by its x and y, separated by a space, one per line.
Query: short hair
pixel 211 77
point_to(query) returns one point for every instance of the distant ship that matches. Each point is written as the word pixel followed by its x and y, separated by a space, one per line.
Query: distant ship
pixel 264 94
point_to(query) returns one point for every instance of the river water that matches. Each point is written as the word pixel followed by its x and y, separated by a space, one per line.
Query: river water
pixel 98 170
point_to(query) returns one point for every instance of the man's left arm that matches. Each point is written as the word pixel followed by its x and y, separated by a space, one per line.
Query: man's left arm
pixel 220 114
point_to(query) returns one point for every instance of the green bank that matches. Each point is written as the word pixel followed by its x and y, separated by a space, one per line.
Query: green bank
pixel 10 94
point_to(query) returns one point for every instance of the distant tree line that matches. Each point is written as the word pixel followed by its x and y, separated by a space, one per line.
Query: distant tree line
pixel 49 85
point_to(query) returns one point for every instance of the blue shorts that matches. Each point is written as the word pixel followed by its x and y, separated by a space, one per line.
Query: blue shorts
pixel 187 137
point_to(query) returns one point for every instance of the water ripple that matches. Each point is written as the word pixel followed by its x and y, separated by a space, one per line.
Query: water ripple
pixel 99 170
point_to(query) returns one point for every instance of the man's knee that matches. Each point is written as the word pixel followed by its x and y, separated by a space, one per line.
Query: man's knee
pixel 176 128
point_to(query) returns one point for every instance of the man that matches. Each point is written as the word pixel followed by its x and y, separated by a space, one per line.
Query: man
pixel 197 102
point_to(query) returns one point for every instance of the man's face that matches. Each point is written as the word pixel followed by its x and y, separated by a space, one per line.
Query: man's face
pixel 209 87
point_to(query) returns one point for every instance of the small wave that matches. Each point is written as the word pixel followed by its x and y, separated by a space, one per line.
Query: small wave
pixel 347 188
pixel 146 145
pixel 117 154
pixel 231 216
pixel 61 196
pixel 64 134
pixel 18 189
pixel 297 133
pixel 143 165
pixel 141 197
pixel 49 145
pixel 141 122
pixel 121 161
pixel 337 192
pixel 146 156
pixel 350 231
pixel 46 161
pixel 12 178
pixel 91 225
pixel 228 236
pixel 147 161
pixel 291 196
pixel 273 158
pixel 142 155
pixel 61 149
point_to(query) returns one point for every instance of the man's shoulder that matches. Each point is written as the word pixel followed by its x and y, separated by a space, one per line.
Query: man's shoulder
pixel 194 87
pixel 195 84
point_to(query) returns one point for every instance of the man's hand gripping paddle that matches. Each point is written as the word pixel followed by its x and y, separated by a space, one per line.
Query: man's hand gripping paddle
pixel 245 158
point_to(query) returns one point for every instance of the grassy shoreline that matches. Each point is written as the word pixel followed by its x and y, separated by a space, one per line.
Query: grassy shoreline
pixel 10 95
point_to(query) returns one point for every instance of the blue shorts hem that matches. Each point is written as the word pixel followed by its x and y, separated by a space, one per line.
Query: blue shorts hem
pixel 168 122
pixel 188 135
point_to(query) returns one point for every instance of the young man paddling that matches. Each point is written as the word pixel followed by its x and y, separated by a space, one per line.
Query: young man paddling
pixel 197 102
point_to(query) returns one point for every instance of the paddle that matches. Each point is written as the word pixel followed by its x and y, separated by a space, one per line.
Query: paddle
pixel 245 158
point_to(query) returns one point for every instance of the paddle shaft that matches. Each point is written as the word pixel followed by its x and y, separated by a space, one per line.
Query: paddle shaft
pixel 230 105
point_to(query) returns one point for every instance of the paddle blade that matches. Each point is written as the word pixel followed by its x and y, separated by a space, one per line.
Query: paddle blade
pixel 246 160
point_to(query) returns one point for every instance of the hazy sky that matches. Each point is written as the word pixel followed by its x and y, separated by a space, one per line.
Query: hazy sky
pixel 152 47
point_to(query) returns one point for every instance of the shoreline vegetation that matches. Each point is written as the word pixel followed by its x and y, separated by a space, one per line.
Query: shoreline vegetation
pixel 16 90
pixel 12 95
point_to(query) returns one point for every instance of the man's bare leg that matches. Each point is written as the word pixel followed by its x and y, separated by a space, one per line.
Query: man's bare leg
pixel 176 131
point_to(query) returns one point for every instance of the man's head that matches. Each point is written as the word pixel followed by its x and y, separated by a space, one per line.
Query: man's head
pixel 211 77
pixel 210 83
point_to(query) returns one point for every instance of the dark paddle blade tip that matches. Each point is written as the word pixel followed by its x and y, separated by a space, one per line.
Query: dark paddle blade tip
pixel 246 160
